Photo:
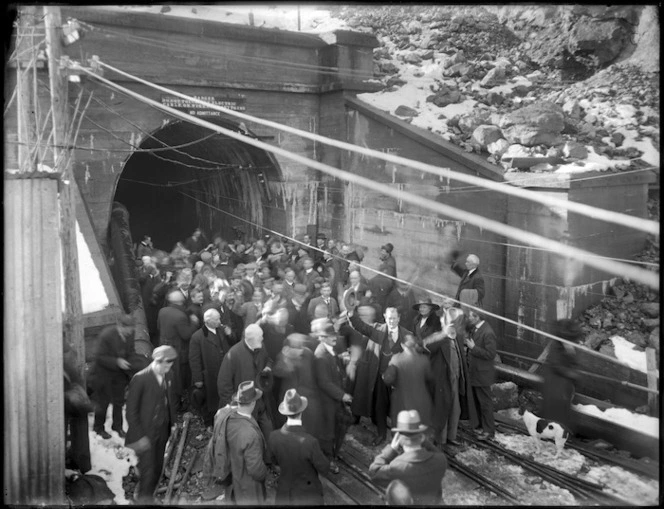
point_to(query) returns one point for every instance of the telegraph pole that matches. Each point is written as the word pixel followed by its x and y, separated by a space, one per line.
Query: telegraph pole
pixel 72 320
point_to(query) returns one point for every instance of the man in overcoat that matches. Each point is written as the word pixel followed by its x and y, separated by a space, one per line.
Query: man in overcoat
pixel 299 455
pixel 326 299
pixel 248 360
pixel 471 278
pixel 207 349
pixel 176 329
pixel 247 449
pixel 384 340
pixel 150 415
pixel 413 460
pixel 111 373
pixel 329 371
pixel 481 351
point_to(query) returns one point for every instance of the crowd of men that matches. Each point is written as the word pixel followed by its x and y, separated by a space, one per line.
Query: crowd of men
pixel 279 346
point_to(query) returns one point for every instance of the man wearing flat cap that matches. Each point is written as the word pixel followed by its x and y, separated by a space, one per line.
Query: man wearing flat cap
pixel 246 447
pixel 412 459
pixel 150 415
pixel 298 454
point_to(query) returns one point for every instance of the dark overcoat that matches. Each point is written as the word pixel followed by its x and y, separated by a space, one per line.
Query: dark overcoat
pixel 105 372
pixel 206 353
pixel 481 369
pixel 301 460
pixel 330 381
pixel 421 470
pixel 240 364
pixel 378 350
pixel 431 325
pixel 175 329
pixel 247 452
pixel 411 380
pixel 559 375
pixel 295 369
pixel 146 405
pixel 473 281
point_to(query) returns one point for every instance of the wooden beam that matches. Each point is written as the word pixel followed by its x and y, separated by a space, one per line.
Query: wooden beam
pixel 542 357
pixel 653 377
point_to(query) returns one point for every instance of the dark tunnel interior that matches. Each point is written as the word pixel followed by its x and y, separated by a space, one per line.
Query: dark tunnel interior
pixel 184 159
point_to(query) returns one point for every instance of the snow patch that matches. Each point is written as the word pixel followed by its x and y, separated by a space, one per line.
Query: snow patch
pixel 626 353
pixel 643 423
pixel 594 162
pixel 93 294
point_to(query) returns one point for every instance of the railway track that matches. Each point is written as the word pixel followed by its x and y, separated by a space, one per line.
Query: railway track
pixel 650 470
pixel 583 490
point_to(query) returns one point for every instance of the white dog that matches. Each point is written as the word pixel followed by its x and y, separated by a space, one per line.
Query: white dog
pixel 541 428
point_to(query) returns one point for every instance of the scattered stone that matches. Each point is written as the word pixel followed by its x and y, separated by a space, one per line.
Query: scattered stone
pixel 617 139
pixel 495 76
pixel 574 150
pixel 406 111
pixel 608 349
pixel 494 99
pixel 636 338
pixel 650 323
pixel 505 395
pixel 460 69
pixel 594 339
pixel 486 134
pixel 413 58
pixel 498 147
pixel 650 308
pixel 468 123
pixel 395 81
pixel 572 109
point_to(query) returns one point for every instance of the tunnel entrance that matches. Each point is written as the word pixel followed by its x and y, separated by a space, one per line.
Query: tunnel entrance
pixel 182 168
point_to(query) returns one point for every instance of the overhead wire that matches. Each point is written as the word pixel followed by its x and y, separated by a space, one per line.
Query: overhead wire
pixel 431 292
pixel 628 271
pixel 579 208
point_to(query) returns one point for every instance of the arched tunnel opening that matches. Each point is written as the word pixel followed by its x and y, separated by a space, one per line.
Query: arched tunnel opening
pixel 184 176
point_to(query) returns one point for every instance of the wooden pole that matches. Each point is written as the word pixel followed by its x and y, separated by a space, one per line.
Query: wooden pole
pixel 72 320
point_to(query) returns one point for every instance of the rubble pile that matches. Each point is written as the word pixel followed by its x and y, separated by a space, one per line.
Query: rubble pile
pixel 554 83
pixel 631 311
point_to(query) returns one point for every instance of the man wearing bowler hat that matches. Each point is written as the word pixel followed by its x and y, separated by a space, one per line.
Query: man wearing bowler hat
pixel 298 454
pixel 150 415
pixel 413 460
pixel 246 447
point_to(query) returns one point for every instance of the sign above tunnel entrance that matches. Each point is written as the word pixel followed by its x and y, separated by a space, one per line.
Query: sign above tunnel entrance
pixel 236 103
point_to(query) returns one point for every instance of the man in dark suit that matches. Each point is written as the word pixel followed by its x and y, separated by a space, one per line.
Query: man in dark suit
pixel 413 460
pixel 481 346
pixel 309 277
pixel 326 299
pixel 298 454
pixel 175 329
pixel 384 340
pixel 207 349
pixel 150 415
pixel 329 372
pixel 471 279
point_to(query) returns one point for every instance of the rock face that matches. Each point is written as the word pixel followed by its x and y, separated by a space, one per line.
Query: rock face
pixel 603 39
pixel 537 124
pixel 485 134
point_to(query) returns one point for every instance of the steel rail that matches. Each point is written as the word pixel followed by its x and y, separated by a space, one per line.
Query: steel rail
pixel 650 470
pixel 587 490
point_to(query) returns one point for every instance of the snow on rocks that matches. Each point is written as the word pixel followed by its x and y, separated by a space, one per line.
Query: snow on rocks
pixel 626 352
pixel 537 124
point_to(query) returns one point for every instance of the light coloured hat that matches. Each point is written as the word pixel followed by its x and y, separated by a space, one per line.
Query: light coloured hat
pixel 409 423
pixel 293 403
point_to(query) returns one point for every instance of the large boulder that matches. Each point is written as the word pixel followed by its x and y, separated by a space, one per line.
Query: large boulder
pixel 495 76
pixel 405 111
pixel 468 123
pixel 498 147
pixel 536 124
pixel 650 308
pixel 604 39
pixel 445 96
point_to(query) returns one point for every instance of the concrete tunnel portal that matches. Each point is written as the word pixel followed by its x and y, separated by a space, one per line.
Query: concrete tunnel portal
pixel 181 162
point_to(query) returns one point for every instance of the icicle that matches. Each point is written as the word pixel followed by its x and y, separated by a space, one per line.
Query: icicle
pixel 394 174
pixel 92 141
pixel 382 225
pixel 87 173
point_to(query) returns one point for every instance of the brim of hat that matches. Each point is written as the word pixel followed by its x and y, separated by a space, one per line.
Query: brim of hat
pixel 435 307
pixel 283 409
pixel 259 395
pixel 423 427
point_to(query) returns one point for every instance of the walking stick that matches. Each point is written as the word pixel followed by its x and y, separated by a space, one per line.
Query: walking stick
pixel 178 456
pixel 169 450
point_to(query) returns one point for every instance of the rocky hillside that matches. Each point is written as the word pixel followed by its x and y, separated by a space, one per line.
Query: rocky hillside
pixel 576 86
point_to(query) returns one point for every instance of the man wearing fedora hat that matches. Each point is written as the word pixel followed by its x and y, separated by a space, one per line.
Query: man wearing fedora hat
pixel 298 454
pixel 246 447
pixel 413 460
pixel 426 322
pixel 150 415
pixel 330 375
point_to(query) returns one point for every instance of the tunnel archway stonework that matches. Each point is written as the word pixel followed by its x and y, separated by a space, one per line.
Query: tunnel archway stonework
pixel 185 176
